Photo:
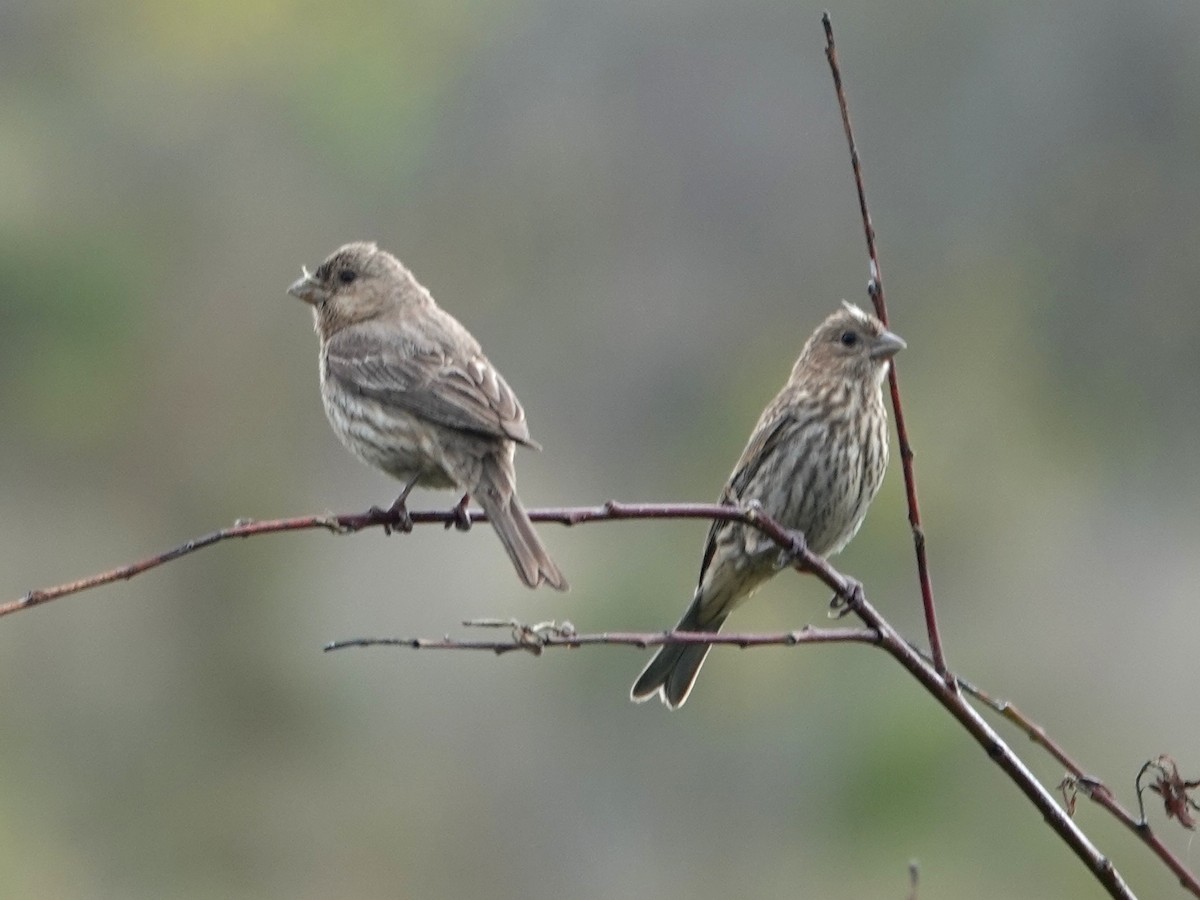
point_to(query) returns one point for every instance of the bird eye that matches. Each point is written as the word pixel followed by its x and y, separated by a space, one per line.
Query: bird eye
pixel 347 276
pixel 849 338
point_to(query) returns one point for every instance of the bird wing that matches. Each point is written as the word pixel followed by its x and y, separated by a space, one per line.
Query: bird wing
pixel 466 394
pixel 766 436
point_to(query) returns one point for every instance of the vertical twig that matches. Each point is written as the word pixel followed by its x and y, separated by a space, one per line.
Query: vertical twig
pixel 875 290
pixel 914 878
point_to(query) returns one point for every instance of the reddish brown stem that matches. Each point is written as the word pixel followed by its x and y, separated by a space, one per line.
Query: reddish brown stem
pixel 377 518
pixel 875 290
pixel 1091 787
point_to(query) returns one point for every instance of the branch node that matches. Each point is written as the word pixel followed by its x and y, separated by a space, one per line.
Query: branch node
pixel 335 524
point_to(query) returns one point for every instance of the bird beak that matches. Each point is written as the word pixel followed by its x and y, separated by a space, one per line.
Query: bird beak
pixel 307 288
pixel 887 345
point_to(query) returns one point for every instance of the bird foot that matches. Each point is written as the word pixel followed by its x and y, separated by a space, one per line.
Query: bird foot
pixel 839 607
pixel 395 517
pixel 793 556
pixel 462 517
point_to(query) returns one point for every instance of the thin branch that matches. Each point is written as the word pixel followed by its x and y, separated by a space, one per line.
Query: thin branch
pixel 377 518
pixel 1094 789
pixel 875 289
pixel 550 635
pixel 955 703
pixel 1091 787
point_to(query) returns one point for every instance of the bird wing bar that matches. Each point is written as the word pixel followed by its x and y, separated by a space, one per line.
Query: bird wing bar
pixel 471 397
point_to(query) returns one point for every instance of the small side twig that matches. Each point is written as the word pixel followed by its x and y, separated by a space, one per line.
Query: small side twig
pixel 1078 781
pixel 875 290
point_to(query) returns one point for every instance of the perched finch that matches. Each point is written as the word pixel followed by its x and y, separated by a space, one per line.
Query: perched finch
pixel 814 462
pixel 410 392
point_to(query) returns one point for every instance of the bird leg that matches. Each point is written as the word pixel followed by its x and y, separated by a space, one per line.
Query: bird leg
pixel 462 518
pixel 396 516
pixel 793 556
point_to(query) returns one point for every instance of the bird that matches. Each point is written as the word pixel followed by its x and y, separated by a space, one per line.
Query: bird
pixel 814 463
pixel 409 391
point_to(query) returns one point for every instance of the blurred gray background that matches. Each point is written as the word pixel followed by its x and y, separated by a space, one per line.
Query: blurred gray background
pixel 641 210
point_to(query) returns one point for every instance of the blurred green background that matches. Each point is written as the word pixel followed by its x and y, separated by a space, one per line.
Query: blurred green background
pixel 641 210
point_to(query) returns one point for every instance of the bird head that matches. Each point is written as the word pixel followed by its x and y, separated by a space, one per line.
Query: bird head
pixel 355 283
pixel 850 344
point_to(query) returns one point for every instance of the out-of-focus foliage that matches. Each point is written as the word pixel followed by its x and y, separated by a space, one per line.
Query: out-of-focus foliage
pixel 641 210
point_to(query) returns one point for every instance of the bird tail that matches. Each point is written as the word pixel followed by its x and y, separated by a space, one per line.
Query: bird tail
pixel 499 500
pixel 673 670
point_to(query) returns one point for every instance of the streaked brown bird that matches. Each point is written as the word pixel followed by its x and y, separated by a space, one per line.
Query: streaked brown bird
pixel 409 391
pixel 814 461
